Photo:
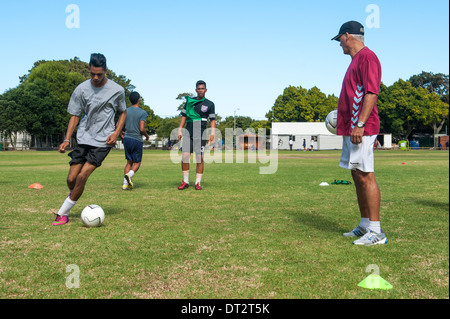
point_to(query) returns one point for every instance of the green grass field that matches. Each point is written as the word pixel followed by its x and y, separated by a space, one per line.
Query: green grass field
pixel 245 235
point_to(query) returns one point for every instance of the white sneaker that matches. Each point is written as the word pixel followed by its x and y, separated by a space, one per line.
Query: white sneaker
pixel 124 187
pixel 357 232
pixel 372 238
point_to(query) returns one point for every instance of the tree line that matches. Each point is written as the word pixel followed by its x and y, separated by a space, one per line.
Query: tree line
pixel 38 105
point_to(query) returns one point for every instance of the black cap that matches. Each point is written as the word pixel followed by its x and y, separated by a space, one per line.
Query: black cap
pixel 352 27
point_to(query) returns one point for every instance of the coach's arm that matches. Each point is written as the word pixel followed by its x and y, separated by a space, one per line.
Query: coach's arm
pixel 370 99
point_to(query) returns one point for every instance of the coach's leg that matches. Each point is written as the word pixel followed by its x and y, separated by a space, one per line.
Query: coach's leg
pixel 369 196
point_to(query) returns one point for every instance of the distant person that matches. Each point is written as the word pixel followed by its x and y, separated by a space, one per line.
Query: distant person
pixel 132 139
pixel 93 106
pixel 312 144
pixel 359 124
pixel 446 145
pixel 291 142
pixel 304 144
pixel 195 114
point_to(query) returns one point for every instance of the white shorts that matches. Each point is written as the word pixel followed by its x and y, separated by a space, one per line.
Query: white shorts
pixel 358 156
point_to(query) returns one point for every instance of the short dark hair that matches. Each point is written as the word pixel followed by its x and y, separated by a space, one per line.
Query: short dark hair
pixel 98 60
pixel 134 97
pixel 200 83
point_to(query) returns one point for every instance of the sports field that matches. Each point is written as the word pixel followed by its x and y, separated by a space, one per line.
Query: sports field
pixel 245 235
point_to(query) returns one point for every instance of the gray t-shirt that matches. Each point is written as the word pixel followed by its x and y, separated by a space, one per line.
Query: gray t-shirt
pixel 134 116
pixel 98 107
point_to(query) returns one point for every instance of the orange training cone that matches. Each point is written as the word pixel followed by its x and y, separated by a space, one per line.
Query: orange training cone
pixel 36 186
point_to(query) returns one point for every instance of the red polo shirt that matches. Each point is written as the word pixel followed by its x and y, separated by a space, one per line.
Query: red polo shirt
pixel 363 76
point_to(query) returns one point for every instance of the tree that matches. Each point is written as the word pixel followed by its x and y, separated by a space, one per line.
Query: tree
pixel 436 112
pixel 437 83
pixel 11 120
pixel 242 122
pixel 44 93
pixel 297 104
pixel 404 108
pixel 181 97
pixel 42 114
pixel 166 126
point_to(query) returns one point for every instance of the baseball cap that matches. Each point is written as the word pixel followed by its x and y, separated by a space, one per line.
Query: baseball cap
pixel 352 27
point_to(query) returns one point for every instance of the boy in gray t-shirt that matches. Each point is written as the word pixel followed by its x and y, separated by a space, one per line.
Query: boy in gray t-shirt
pixel 132 139
pixel 97 107
pixel 93 106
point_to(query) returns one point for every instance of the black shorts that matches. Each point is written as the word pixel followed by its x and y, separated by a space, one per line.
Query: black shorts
pixel 194 139
pixel 86 153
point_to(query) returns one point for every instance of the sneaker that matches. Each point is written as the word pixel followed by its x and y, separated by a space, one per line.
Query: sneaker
pixel 371 238
pixel 357 232
pixel 198 187
pixel 124 187
pixel 60 220
pixel 183 186
pixel 130 183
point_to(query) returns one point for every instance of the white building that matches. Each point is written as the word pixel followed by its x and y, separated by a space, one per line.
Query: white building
pixel 322 139
pixel 316 132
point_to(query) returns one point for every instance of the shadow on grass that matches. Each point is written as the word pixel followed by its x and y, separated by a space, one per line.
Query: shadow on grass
pixel 109 210
pixel 320 223
pixel 433 204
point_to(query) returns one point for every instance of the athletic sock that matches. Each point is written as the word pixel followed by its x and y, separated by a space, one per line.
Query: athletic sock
pixel 131 173
pixel 198 179
pixel 186 177
pixel 125 182
pixel 375 226
pixel 364 223
pixel 66 207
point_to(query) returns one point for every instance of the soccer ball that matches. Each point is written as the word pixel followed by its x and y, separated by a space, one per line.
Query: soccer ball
pixel 92 216
pixel 331 121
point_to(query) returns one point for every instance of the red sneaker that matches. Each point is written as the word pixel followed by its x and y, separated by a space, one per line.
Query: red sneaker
pixel 198 187
pixel 183 186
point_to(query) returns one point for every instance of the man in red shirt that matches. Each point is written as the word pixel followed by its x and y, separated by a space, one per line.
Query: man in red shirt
pixel 359 124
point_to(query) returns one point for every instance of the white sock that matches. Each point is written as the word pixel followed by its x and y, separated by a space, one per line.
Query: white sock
pixel 375 226
pixel 131 173
pixel 186 177
pixel 364 223
pixel 125 182
pixel 198 179
pixel 66 207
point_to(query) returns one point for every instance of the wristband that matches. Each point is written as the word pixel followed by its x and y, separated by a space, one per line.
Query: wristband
pixel 66 141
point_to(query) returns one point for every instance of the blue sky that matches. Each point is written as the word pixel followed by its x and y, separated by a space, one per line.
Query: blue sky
pixel 247 51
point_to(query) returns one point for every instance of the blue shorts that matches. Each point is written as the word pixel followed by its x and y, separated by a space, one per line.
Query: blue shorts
pixel 133 149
